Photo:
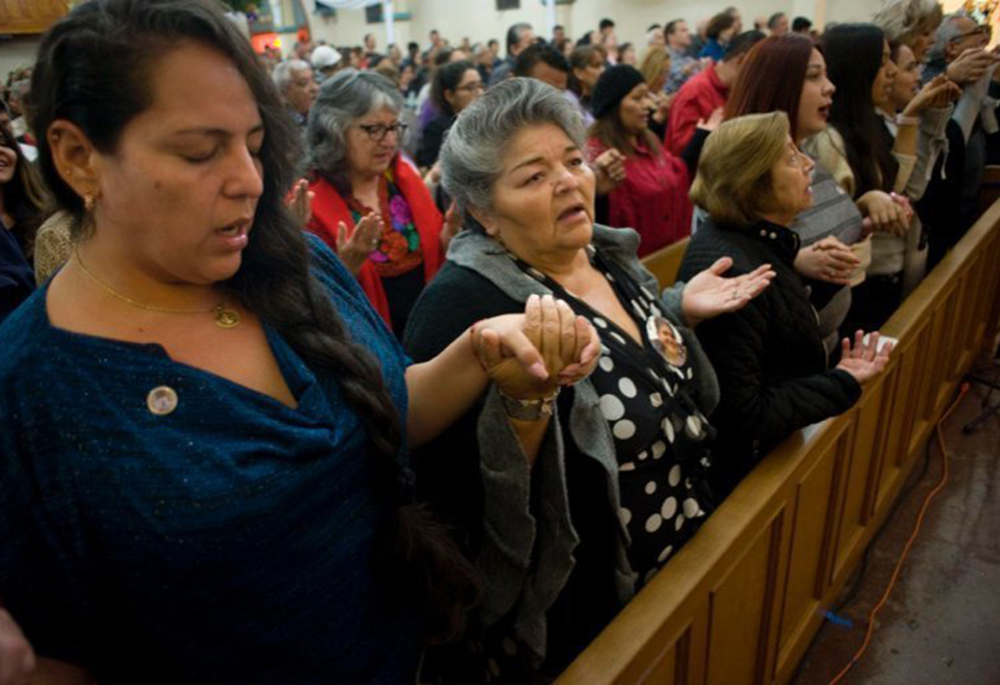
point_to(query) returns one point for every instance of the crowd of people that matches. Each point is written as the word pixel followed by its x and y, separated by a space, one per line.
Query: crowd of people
pixel 344 367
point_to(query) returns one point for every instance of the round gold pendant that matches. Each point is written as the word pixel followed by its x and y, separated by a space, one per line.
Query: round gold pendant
pixel 226 318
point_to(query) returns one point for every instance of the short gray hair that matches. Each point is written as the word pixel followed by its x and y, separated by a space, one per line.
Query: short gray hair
pixel 902 19
pixel 945 33
pixel 284 73
pixel 472 152
pixel 344 97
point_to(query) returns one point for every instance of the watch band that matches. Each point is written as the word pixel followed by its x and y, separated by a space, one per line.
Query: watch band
pixel 529 410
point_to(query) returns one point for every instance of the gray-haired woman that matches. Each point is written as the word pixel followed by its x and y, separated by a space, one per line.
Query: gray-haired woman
pixel 370 204
pixel 566 537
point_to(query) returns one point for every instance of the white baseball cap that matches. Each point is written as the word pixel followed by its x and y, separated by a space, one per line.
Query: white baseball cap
pixel 324 56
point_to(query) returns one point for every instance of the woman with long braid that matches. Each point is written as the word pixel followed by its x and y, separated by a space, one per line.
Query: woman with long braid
pixel 203 423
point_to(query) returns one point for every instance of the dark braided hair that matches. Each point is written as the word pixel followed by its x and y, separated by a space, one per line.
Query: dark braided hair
pixel 94 69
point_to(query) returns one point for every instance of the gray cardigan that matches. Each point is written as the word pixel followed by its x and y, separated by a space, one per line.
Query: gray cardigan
pixel 526 557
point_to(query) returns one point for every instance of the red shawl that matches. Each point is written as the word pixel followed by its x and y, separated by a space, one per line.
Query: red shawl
pixel 329 209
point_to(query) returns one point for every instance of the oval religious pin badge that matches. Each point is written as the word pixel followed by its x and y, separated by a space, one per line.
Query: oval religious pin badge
pixel 162 400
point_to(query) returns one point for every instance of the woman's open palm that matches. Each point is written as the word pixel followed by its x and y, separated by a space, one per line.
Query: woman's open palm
pixel 710 294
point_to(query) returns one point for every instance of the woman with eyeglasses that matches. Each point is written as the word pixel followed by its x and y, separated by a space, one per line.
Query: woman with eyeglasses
pixel 455 87
pixel 370 204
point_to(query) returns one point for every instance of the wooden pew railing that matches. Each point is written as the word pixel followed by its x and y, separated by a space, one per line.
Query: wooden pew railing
pixel 743 600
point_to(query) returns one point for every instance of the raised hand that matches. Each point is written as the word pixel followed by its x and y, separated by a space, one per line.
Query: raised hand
pixel 355 247
pixel 827 260
pixel 885 213
pixel 609 167
pixel 713 121
pixel 864 361
pixel 529 355
pixel 710 294
pixel 299 200
pixel 938 92
pixel 970 66
pixel 17 660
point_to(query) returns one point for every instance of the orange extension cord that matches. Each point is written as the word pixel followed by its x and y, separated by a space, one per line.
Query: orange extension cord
pixel 909 543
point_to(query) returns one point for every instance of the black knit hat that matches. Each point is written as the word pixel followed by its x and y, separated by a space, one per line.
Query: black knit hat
pixel 615 83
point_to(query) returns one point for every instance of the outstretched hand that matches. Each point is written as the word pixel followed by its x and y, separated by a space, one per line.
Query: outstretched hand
pixel 940 91
pixel 710 294
pixel 355 247
pixel 864 361
pixel 299 200
pixel 529 355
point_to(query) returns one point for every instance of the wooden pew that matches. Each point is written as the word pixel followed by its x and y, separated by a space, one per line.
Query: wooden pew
pixel 743 600
pixel 666 262
pixel 989 192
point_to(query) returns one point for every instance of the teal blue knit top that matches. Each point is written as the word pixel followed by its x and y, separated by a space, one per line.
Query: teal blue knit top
pixel 228 541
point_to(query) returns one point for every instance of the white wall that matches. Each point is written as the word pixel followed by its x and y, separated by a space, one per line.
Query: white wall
pixel 16 52
pixel 479 19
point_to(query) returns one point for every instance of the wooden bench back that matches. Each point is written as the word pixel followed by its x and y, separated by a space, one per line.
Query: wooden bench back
pixel 742 601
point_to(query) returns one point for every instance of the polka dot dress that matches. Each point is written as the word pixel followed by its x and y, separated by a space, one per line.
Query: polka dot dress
pixel 661 438
pixel 661 443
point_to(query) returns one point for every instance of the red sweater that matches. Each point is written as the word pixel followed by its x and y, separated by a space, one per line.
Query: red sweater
pixel 653 198
pixel 697 99
pixel 329 209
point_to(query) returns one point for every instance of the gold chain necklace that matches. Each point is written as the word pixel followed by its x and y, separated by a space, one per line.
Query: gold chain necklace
pixel 224 316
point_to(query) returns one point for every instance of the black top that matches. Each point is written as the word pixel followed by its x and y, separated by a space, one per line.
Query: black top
pixel 17 279
pixel 769 356
pixel 432 139
pixel 661 438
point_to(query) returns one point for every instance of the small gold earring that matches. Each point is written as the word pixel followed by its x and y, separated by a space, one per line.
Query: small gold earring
pixel 88 203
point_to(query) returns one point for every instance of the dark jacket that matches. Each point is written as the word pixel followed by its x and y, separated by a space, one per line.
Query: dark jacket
pixel 769 356
pixel 432 139
pixel 17 280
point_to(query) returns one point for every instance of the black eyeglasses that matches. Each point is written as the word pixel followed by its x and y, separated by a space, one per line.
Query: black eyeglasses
pixel 983 30
pixel 378 132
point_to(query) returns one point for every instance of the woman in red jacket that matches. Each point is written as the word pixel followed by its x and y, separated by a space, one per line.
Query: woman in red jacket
pixel 648 189
pixel 370 204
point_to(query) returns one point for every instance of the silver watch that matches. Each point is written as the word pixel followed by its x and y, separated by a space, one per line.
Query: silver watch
pixel 529 410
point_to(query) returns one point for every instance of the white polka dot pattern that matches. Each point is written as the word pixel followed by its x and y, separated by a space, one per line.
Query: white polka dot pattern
pixel 624 429
pixel 669 508
pixel 653 523
pixel 690 508
pixel 626 387
pixel 612 407
pixel 675 475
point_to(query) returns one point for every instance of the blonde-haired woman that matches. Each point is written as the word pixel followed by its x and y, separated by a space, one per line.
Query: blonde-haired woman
pixel 911 23
pixel 769 357
pixel 655 68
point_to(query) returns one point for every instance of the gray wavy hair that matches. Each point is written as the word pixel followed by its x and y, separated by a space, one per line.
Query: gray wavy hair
pixel 343 98
pixel 947 31
pixel 284 73
pixel 902 20
pixel 472 152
